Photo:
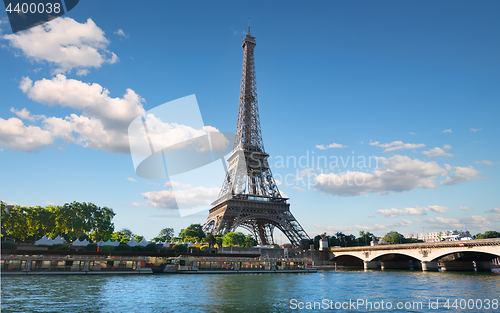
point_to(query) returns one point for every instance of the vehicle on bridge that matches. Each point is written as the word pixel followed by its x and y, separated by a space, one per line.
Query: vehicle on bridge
pixel 454 238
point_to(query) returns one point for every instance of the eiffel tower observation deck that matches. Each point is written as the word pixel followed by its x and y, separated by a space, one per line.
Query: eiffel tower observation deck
pixel 249 197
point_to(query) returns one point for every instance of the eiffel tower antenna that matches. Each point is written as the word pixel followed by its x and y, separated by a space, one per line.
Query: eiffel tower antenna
pixel 249 197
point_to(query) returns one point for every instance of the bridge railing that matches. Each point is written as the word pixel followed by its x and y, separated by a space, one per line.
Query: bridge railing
pixel 423 245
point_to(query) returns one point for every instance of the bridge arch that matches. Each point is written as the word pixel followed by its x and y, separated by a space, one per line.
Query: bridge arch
pixel 348 261
pixel 394 260
pixel 411 255
pixel 467 254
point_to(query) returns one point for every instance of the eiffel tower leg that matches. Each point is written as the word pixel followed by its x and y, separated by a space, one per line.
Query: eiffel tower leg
pixel 262 233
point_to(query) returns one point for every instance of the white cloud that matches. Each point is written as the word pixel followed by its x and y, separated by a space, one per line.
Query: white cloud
pixel 333 229
pixel 25 114
pixel 447 131
pixel 131 179
pixel 65 43
pixel 120 32
pixel 400 173
pixel 298 188
pixel 238 32
pixel 475 221
pixel 179 134
pixel 371 228
pixel 434 152
pixel 187 198
pixel 174 184
pixel 89 132
pixel 278 182
pixel 104 122
pixel 475 130
pixel 16 135
pixel 494 210
pixel 459 175
pixel 332 145
pixel 463 208
pixel 485 162
pixel 417 210
pixel 82 72
pixel 390 226
pixel 92 99
pixel 412 133
pixel 397 145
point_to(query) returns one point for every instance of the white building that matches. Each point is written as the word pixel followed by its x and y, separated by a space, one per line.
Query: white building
pixel 436 236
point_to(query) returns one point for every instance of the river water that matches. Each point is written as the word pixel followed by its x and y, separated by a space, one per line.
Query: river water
pixel 255 292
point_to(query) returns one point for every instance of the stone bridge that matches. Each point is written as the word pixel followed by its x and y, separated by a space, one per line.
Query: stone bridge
pixel 449 255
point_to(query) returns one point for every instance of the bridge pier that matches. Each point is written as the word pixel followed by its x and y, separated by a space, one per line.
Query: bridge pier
pixel 403 265
pixel 373 265
pixel 429 266
pixel 457 266
pixel 483 266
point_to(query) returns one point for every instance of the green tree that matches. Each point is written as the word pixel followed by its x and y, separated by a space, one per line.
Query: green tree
pixel 138 238
pixel 3 216
pixel 488 234
pixel 16 223
pixel 351 240
pixel 193 231
pixel 124 235
pixel 250 241
pixel 44 221
pixel 365 238
pixel 210 239
pixel 102 222
pixel 219 240
pixel 165 234
pixel 70 221
pixel 394 237
pixel 232 239
pixel 341 239
pixel 151 247
pixel 179 248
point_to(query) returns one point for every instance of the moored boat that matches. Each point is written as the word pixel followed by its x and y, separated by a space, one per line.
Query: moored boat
pixel 229 265
pixel 72 265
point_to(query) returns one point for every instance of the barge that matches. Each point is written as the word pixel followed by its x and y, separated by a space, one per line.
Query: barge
pixel 16 264
pixel 228 265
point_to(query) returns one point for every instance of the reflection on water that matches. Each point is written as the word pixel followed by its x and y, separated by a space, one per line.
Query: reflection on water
pixel 231 293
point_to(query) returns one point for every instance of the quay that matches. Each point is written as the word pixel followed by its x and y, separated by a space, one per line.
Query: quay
pixel 54 262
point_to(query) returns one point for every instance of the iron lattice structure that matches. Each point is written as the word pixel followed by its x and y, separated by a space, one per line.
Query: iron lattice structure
pixel 249 197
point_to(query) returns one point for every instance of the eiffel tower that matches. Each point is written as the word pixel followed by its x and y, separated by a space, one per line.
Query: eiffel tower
pixel 249 197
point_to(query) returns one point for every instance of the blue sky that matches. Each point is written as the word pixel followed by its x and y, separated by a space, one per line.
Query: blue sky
pixel 413 83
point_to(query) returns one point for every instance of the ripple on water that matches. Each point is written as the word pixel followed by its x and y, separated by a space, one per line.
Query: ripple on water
pixel 234 293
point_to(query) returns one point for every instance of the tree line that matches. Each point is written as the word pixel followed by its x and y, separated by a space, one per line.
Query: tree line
pixel 340 239
pixel 70 221
pixel 81 220
pixel 87 221
pixel 194 233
